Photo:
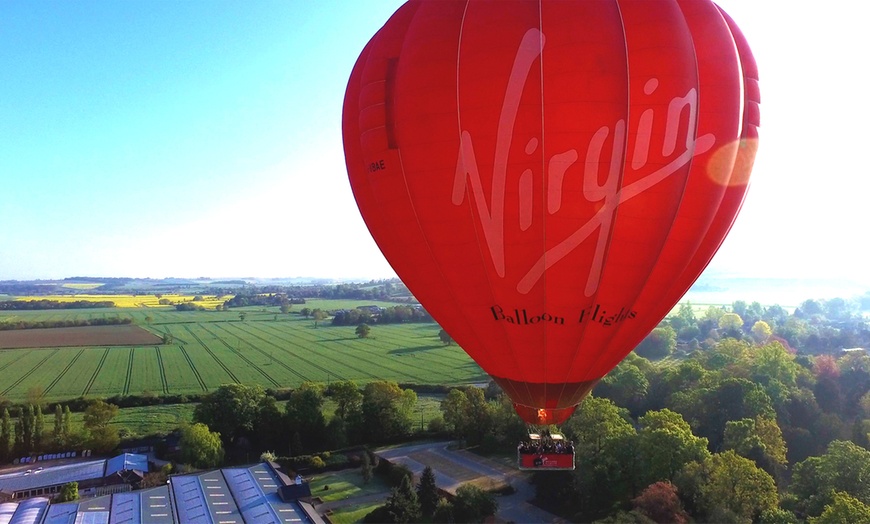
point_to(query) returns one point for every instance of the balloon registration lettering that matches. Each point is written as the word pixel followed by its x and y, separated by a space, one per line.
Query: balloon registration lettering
pixel 492 216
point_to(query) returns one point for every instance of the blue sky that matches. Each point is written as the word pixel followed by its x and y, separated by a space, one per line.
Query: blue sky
pixel 203 138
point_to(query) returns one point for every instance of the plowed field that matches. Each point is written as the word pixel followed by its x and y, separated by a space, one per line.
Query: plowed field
pixel 126 335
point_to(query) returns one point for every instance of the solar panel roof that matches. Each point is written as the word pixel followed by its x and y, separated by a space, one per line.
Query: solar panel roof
pixel 156 506
pixel 189 500
pixel 62 513
pixel 268 481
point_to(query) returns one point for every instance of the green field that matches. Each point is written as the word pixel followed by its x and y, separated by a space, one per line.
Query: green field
pixel 140 421
pixel 212 348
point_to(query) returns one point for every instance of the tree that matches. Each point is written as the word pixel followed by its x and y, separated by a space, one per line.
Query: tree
pixel 363 330
pixel 242 316
pixel 685 317
pixel 347 397
pixel 318 316
pixel 386 411
pixel 200 447
pixel 402 505
pixel 845 467
pixel 660 343
pixel 660 502
pixel 27 419
pixel 167 339
pixel 843 510
pixel 68 493
pixel 67 425
pixel 5 435
pixel 597 424
pixel 726 486
pixel 366 467
pixel 59 441
pixel 231 410
pixel 761 331
pixel 708 409
pixel 445 337
pixel 731 324
pixel 825 366
pixel 626 385
pixel 758 439
pixel 98 415
pixel 427 492
pixel 304 416
pixel 39 439
pixel 456 410
pixel 665 444
pixel 472 504
pixel 773 362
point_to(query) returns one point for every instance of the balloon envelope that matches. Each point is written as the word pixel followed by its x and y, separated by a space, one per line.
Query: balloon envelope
pixel 549 178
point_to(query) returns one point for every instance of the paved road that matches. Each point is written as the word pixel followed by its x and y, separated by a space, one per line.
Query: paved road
pixel 511 508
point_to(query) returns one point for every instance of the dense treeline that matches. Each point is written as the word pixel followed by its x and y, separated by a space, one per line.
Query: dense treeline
pixel 752 422
pixel 27 305
pixel 390 315
pixel 39 324
pixel 392 290
pixel 27 430
pixel 249 418
pixel 262 299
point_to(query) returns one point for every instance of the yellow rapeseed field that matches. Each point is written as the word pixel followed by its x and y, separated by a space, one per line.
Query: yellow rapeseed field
pixel 208 302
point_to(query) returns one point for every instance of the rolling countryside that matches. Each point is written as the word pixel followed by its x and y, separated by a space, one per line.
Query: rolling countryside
pixel 208 348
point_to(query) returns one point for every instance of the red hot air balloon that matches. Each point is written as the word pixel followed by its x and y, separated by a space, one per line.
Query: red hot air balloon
pixel 548 177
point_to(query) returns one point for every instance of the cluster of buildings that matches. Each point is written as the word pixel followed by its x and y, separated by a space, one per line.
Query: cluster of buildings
pixel 260 494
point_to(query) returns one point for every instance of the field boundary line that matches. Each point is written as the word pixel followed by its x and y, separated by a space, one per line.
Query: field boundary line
pixel 193 368
pixel 62 373
pixel 162 371
pixel 24 353
pixel 93 379
pixel 243 357
pixel 215 357
pixel 23 377
pixel 129 372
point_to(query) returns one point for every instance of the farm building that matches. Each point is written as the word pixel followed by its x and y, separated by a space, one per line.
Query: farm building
pixel 254 494
pixel 94 477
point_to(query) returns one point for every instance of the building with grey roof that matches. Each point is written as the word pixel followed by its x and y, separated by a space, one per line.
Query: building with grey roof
pixel 237 495
pixel 92 474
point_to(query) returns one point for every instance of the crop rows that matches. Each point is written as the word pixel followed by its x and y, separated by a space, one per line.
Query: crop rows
pixel 260 350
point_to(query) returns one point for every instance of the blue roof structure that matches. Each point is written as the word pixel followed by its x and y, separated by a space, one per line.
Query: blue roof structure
pixel 127 462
